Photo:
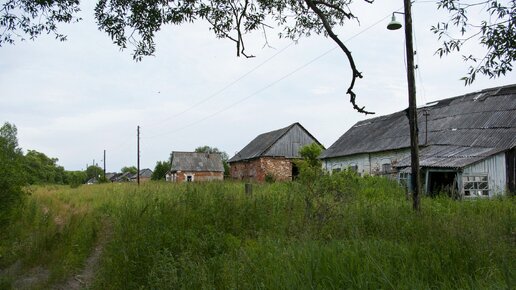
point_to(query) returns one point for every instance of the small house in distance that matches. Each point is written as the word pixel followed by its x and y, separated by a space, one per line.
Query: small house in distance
pixel 195 166
pixel 271 154
pixel 467 145
pixel 145 175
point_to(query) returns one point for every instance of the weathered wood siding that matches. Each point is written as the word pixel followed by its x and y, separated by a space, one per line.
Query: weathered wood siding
pixel 494 167
pixel 288 145
pixel 367 163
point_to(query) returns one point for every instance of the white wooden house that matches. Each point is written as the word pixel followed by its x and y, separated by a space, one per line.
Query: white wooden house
pixel 467 144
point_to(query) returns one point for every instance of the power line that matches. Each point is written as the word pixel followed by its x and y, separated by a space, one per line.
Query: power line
pixel 270 84
pixel 225 87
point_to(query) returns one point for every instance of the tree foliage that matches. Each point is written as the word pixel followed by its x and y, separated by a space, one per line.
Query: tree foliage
pixel 12 178
pixel 136 22
pixel 94 171
pixel 22 19
pixel 41 169
pixel 130 169
pixel 160 170
pixel 496 32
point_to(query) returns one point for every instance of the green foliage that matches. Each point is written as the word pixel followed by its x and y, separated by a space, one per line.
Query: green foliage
pixel 75 178
pixel 94 171
pixel 160 170
pixel 130 169
pixel 29 19
pixel 495 32
pixel 12 178
pixel 41 169
pixel 362 235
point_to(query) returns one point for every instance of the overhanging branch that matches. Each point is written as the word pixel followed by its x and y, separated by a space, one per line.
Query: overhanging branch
pixel 355 73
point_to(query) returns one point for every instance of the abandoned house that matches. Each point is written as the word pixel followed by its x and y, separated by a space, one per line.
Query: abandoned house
pixel 195 167
pixel 270 155
pixel 145 175
pixel 467 145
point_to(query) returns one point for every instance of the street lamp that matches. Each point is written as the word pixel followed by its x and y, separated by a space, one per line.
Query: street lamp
pixel 412 109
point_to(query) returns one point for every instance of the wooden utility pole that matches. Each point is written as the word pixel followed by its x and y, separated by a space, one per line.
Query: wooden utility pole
pixel 138 154
pixel 412 110
pixel 104 163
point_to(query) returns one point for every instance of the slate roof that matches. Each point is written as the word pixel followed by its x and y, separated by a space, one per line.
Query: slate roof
pixel 450 156
pixel 194 161
pixel 258 146
pixel 144 173
pixel 484 119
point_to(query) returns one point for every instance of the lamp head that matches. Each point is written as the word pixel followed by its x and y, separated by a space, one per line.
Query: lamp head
pixel 393 25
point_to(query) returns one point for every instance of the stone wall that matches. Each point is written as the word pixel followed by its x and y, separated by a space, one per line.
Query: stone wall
pixel 280 168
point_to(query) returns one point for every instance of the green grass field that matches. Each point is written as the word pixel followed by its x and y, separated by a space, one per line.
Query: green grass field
pixel 344 232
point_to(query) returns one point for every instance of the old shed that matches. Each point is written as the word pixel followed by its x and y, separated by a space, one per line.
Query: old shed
pixel 270 155
pixel 195 167
pixel 467 144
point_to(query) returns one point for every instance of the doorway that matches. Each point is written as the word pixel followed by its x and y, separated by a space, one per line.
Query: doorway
pixel 442 182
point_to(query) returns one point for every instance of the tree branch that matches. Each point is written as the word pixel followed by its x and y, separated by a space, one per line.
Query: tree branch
pixel 355 73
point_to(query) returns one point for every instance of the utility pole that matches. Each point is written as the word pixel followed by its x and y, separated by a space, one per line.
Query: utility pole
pixel 104 163
pixel 412 110
pixel 138 153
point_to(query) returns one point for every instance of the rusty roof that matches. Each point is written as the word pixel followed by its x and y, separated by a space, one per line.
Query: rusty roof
pixel 485 119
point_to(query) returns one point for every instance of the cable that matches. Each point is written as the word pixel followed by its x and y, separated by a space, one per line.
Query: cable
pixel 270 84
pixel 224 88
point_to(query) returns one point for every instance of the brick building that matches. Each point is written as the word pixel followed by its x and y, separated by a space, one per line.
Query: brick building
pixel 194 167
pixel 271 154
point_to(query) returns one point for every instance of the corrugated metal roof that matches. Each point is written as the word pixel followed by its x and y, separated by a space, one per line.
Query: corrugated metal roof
pixel 194 161
pixel 482 119
pixel 450 156
pixel 258 146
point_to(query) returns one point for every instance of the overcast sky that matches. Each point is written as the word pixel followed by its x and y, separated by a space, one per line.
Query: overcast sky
pixel 71 100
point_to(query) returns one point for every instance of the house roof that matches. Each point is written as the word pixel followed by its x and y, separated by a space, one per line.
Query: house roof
pixel 195 161
pixel 450 156
pixel 484 119
pixel 144 173
pixel 259 146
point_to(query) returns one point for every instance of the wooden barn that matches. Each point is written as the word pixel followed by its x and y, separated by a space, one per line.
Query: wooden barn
pixel 270 155
pixel 195 167
pixel 467 145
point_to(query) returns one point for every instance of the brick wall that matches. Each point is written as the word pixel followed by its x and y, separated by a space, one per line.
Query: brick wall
pixel 257 169
pixel 198 176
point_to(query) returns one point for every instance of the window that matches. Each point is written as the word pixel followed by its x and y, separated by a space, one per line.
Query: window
pixel 189 178
pixel 353 167
pixel 386 168
pixel 335 170
pixel 404 179
pixel 475 185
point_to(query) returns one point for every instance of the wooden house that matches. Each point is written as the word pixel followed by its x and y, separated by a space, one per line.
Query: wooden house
pixel 467 145
pixel 195 167
pixel 270 155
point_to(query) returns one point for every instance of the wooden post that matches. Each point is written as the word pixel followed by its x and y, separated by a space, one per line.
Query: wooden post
pixel 414 142
pixel 248 188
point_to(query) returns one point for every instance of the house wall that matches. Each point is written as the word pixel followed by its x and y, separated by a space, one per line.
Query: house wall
pixel 288 145
pixel 368 163
pixel 257 169
pixel 198 176
pixel 495 169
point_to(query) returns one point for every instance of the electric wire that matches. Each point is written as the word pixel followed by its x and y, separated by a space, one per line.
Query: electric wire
pixel 270 84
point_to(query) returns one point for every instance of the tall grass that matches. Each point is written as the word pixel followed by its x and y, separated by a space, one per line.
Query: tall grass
pixel 345 232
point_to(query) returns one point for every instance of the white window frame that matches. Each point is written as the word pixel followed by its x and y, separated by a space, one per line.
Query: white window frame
pixel 475 185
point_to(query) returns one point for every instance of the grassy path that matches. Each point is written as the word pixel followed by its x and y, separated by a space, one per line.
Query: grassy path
pixel 345 233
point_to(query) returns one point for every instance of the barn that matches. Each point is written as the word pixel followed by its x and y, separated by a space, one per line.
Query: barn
pixel 467 145
pixel 195 167
pixel 270 155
